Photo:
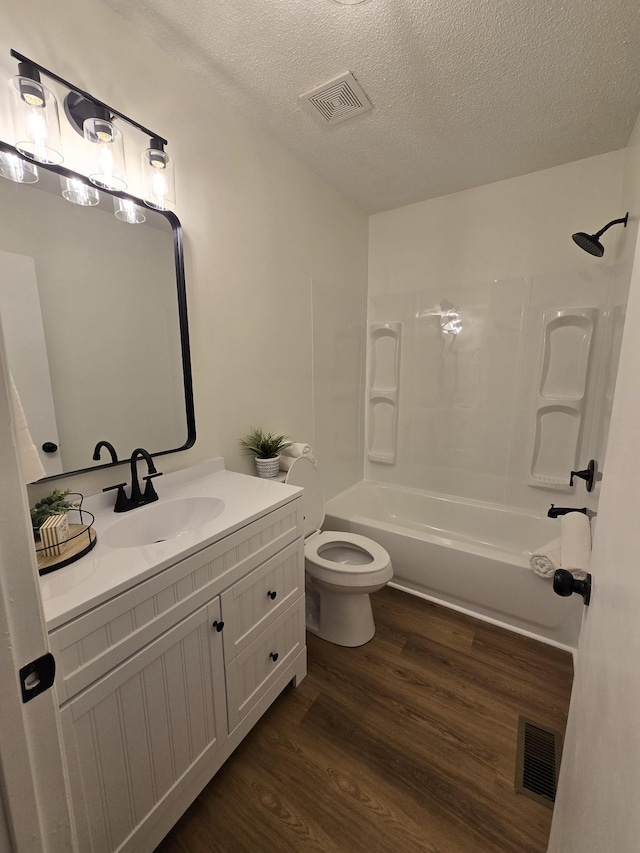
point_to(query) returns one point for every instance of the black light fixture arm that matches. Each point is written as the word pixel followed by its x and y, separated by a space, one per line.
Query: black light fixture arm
pixel 624 219
pixel 73 88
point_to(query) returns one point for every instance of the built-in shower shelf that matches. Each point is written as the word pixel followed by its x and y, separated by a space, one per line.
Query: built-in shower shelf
pixel 383 391
pixel 566 350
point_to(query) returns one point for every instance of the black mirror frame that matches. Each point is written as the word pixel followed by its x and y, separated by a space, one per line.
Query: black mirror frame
pixel 178 248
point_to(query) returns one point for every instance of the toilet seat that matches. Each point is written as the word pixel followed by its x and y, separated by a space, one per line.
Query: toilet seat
pixel 379 557
pixel 378 570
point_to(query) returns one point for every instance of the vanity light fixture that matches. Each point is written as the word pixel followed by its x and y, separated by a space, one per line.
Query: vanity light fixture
pixel 16 169
pixel 95 121
pixel 159 178
pixel 35 116
pixel 127 210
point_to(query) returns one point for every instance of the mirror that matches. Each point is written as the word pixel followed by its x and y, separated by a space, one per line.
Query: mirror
pixel 94 314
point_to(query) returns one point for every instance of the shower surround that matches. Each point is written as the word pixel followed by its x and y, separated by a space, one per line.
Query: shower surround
pixel 503 386
pixel 492 347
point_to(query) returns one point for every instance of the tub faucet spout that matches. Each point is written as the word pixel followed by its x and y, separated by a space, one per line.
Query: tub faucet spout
pixel 555 511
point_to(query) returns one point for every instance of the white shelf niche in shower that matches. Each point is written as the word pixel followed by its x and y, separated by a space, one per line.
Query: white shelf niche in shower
pixel 566 348
pixel 385 341
pixel 565 353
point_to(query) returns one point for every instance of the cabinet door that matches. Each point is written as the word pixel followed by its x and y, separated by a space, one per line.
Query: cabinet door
pixel 145 729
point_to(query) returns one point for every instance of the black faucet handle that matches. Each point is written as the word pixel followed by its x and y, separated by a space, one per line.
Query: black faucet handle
pixel 150 493
pixel 589 474
pixel 122 501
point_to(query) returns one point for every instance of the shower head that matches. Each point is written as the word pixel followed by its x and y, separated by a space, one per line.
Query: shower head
pixel 591 242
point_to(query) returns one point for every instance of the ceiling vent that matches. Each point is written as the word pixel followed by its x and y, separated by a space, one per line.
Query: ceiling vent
pixel 337 100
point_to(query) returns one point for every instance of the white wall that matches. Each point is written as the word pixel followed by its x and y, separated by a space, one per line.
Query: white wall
pixel 502 255
pixel 259 226
pixel 338 370
pixel 597 805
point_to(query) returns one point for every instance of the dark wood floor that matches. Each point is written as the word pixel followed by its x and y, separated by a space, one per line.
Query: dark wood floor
pixel 405 744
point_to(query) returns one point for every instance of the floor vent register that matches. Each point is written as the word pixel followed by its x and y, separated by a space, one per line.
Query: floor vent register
pixel 538 755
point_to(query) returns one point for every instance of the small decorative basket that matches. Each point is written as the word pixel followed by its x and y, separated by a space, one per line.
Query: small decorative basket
pixel 60 547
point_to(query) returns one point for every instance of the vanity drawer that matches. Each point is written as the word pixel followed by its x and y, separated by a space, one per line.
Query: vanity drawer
pixel 251 673
pixel 250 605
pixel 92 644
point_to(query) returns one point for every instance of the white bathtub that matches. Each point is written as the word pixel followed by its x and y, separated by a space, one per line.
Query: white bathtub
pixel 463 554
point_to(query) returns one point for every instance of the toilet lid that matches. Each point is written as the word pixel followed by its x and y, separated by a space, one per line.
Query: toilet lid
pixel 303 473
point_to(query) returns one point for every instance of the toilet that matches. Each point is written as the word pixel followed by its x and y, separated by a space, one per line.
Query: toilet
pixel 342 569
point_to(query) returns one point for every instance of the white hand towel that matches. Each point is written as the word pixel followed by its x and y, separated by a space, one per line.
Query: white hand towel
pixel 547 560
pixel 575 547
pixel 30 464
pixel 287 461
pixel 299 448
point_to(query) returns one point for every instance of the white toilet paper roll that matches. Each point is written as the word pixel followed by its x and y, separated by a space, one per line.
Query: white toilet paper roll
pixel 575 541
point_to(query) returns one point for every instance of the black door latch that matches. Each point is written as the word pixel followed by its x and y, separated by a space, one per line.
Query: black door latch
pixel 37 676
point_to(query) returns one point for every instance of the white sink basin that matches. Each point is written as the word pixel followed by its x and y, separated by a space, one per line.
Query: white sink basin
pixel 161 521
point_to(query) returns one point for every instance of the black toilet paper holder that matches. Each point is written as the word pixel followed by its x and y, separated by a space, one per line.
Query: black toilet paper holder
pixel 565 584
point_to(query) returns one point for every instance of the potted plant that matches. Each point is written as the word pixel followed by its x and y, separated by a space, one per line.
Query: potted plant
pixel 265 447
pixel 55 503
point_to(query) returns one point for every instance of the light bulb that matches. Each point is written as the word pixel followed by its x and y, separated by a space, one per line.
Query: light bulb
pixel 36 122
pixel 159 177
pixel 108 151
pixel 16 169
pixel 78 192
pixel 128 211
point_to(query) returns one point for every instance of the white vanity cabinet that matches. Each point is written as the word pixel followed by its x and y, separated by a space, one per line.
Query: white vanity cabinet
pixel 160 683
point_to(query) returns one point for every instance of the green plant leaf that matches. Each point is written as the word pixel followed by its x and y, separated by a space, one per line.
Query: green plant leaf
pixel 265 445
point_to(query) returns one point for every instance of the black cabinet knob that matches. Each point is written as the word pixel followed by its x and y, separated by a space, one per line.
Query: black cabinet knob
pixel 217 625
pixel 274 656
pixel 272 594
pixel 49 447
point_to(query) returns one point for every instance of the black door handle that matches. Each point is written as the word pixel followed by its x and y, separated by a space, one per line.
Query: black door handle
pixel 565 584
pixel 274 656
pixel 49 447
pixel 217 625
pixel 271 594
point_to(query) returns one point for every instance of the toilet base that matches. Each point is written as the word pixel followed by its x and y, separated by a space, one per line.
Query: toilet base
pixel 346 620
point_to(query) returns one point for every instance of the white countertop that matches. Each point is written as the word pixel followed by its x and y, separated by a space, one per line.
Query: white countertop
pixel 107 571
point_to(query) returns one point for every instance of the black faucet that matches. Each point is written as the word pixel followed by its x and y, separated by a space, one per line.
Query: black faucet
pixel 149 496
pixel 137 497
pixel 555 511
pixel 109 447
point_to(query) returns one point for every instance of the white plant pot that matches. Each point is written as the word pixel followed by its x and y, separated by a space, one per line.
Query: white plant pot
pixel 268 468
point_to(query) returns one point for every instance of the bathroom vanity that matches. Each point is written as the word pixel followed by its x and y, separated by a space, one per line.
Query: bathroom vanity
pixel 168 652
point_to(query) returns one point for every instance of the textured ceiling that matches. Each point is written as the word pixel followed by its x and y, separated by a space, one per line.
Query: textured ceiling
pixel 465 92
